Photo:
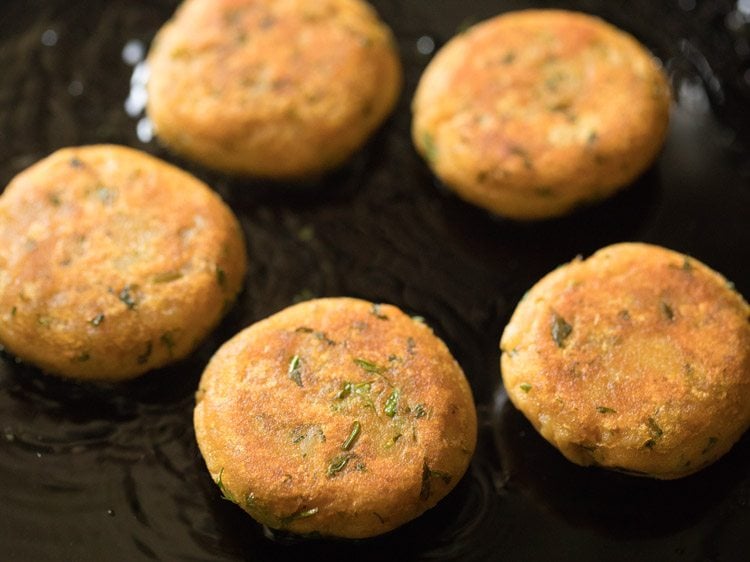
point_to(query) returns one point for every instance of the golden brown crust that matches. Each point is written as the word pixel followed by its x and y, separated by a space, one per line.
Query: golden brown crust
pixel 112 263
pixel 533 112
pixel 278 402
pixel 637 359
pixel 274 88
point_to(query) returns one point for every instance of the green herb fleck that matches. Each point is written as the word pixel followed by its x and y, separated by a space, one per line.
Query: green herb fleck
pixel 97 320
pixel 667 311
pixel 225 493
pixel 519 151
pixel 221 276
pixel 361 390
pixel 167 276
pixel 318 335
pixel 391 403
pixel 295 370
pixel 411 345
pixel 429 146
pixel 346 390
pixel 338 464
pixel 167 338
pixel 654 429
pixel 45 321
pixel 75 163
pixel 368 366
pixel 377 313
pixel 392 441
pixel 560 330
pixel 427 476
pixel 13 311
pixel 419 411
pixel 128 297
pixel 545 192
pixel 105 195
pixel 424 492
pixel 509 57
pixel 353 434
pixel 82 357
pixel 712 441
pixel 650 444
pixel 302 513
pixel 54 199
pixel 143 357
pixel 525 387
pixel 605 410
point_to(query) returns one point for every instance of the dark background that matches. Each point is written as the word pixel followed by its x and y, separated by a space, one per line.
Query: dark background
pixel 113 472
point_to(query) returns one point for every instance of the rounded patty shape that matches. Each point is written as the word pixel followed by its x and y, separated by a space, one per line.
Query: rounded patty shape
pixel 636 359
pixel 272 88
pixel 531 113
pixel 112 263
pixel 335 416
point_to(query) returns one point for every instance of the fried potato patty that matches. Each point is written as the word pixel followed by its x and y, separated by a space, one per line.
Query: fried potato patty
pixel 112 263
pixel 636 359
pixel 272 88
pixel 335 416
pixel 531 113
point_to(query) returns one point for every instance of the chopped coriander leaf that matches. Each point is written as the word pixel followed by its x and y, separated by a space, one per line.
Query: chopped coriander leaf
pixel 225 493
pixel 368 366
pixel 128 296
pixel 82 357
pixel 97 320
pixel 605 410
pixel 560 330
pixel 303 513
pixel 377 313
pixel 105 195
pixel 424 491
pixel 221 276
pixel 525 387
pixel 667 311
pixel 654 428
pixel 167 277
pixel 391 403
pixel 429 146
pixel 143 357
pixel 167 338
pixel 295 370
pixel 338 464
pixel 427 475
pixel 710 445
pixel 393 440
pixel 346 390
pixel 353 434
pixel 420 411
